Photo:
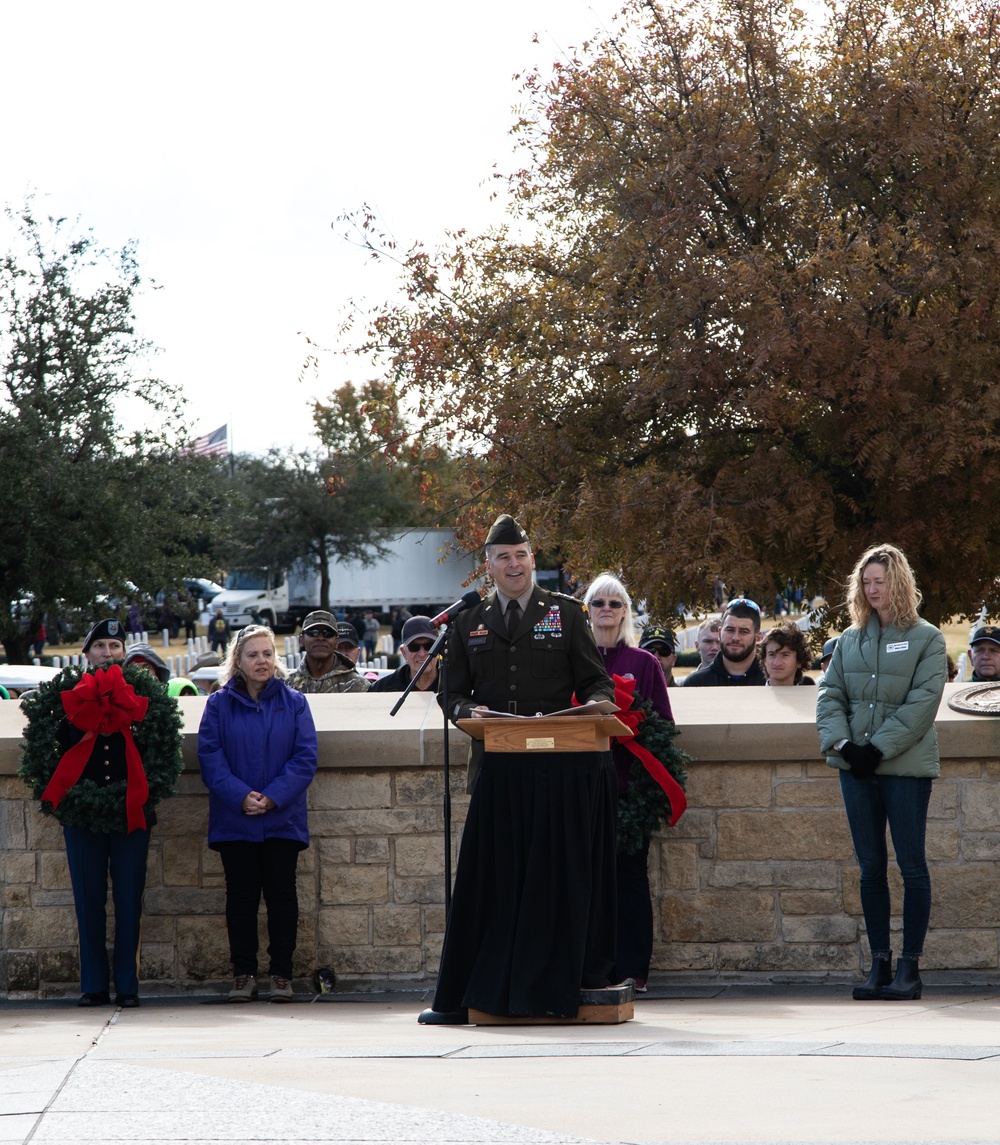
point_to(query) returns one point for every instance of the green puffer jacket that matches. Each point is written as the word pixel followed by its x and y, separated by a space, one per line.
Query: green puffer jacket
pixel 884 688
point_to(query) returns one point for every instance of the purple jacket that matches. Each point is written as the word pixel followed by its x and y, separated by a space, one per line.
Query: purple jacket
pixel 266 745
pixel 650 684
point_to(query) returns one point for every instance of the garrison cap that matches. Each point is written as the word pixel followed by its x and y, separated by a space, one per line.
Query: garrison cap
pixel 506 531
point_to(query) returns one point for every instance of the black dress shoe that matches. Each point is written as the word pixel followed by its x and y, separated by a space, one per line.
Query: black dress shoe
pixel 443 1017
pixel 103 998
pixel 127 1001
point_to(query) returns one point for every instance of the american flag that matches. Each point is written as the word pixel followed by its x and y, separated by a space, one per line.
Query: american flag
pixel 214 444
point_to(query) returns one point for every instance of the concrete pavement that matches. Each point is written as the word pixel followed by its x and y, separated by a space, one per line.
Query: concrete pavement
pixel 699 1065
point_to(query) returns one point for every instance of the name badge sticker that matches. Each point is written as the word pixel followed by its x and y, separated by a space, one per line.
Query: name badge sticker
pixel 901 646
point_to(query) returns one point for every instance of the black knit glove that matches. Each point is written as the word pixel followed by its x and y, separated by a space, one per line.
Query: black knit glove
pixel 862 759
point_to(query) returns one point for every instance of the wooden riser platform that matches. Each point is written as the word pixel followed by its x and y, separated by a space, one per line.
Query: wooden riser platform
pixel 586 1015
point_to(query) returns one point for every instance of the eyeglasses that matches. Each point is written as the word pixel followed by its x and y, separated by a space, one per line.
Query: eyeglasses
pixel 743 600
pixel 597 602
pixel 420 645
pixel 320 630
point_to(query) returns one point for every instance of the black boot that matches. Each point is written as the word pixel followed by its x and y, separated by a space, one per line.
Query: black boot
pixel 880 975
pixel 906 986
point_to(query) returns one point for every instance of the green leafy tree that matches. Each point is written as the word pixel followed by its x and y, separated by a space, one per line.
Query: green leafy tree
pixel 745 319
pixel 85 508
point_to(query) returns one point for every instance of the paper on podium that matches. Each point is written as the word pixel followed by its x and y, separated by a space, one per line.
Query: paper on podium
pixel 590 708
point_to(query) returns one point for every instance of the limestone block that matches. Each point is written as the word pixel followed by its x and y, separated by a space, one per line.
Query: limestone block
pixel 960 950
pixel 335 850
pixel 783 835
pixel 432 948
pixel 397 926
pixel 809 902
pixel 808 793
pixel 694 823
pixel 419 787
pixel 371 850
pixel 21 867
pixel 29 929
pixel 377 960
pixel 343 926
pixel 20 970
pixel 184 815
pixel 40 898
pixel 819 929
pixel 55 871
pixel 789 769
pixel 802 875
pixel 202 949
pixel 15 896
pixel 945 800
pixel 991 766
pixel 158 928
pixel 820 769
pixel 965 897
pixel 719 916
pixel 346 883
pixel 406 820
pixel 683 956
pixel 787 958
pixel 335 790
pixel 981 806
pixel 434 919
pixel 59 965
pixel 961 768
pixel 44 831
pixel 420 889
pixel 174 901
pixel 980 848
pixel 729 785
pixel 419 855
pixel 157 962
pixel 211 861
pixel 181 862
pixel 942 840
pixel 678 867
pixel 13 824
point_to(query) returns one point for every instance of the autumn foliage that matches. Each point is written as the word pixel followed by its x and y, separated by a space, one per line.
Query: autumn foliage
pixel 744 319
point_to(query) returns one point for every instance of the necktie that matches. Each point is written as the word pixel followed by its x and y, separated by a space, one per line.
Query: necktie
pixel 513 617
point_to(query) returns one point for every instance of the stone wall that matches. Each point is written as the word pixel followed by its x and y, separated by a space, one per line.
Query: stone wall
pixel 757 879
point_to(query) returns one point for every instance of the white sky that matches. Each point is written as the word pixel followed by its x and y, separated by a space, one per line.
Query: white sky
pixel 227 137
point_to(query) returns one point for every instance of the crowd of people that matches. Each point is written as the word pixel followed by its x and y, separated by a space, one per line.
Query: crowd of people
pixel 544 906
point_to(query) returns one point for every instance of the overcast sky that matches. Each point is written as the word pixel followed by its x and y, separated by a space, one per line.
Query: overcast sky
pixel 226 138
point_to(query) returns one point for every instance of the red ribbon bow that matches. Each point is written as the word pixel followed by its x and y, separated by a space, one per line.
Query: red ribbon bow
pixel 103 702
pixel 632 720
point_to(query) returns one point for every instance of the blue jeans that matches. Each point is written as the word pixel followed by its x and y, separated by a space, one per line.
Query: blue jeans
pixel 901 801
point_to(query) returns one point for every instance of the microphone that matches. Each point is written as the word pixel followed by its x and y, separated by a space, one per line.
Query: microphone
pixel 470 600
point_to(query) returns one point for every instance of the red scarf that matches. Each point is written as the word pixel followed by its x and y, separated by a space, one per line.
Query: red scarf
pixel 102 703
pixel 632 719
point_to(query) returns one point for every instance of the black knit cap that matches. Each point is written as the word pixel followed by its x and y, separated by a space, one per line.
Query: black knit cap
pixel 506 531
pixel 105 630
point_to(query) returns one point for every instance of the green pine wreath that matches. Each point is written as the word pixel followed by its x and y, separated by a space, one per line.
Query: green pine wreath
pixel 643 807
pixel 88 805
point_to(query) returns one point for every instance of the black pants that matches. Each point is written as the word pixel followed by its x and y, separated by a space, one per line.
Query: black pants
pixel 635 915
pixel 253 869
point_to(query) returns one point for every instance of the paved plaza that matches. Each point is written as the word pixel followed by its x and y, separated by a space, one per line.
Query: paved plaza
pixel 698 1065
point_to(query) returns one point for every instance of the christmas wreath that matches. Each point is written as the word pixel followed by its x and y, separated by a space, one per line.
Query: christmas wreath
pixel 130 701
pixel 655 793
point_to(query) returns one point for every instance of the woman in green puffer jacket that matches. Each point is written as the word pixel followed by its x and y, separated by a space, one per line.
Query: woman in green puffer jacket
pixel 875 713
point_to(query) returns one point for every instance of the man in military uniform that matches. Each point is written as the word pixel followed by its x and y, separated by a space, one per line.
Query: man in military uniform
pixel 93 854
pixel 324 668
pixel 533 915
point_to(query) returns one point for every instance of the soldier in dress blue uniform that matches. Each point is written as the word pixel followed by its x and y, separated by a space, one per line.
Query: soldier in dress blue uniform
pixel 533 915
pixel 93 854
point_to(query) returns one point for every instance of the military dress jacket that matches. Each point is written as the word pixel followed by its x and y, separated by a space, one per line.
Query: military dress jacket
pixel 551 657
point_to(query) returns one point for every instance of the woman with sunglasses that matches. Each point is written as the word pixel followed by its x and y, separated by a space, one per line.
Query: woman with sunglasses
pixel 875 712
pixel 610 610
pixel 257 749
pixel 417 640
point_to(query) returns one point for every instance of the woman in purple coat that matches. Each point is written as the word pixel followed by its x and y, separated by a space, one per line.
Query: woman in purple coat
pixel 610 609
pixel 257 750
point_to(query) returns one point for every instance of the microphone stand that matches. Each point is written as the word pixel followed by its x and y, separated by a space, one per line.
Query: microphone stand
pixel 440 649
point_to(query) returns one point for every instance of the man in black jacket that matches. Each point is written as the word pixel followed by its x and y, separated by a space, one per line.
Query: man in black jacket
pixel 736 663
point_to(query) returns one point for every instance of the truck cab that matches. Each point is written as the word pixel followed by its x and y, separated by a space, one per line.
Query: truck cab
pixel 252 588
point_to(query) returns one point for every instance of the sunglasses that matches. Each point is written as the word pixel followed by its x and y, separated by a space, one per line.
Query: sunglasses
pixel 743 600
pixel 420 645
pixel 320 630
pixel 598 602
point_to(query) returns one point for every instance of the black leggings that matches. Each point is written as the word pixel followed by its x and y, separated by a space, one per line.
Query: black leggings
pixel 253 869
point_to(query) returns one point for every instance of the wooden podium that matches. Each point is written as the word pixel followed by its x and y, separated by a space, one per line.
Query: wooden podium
pixel 569 733
pixel 545 733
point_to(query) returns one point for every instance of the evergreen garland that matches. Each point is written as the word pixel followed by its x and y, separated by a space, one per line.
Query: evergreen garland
pixel 643 807
pixel 88 805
